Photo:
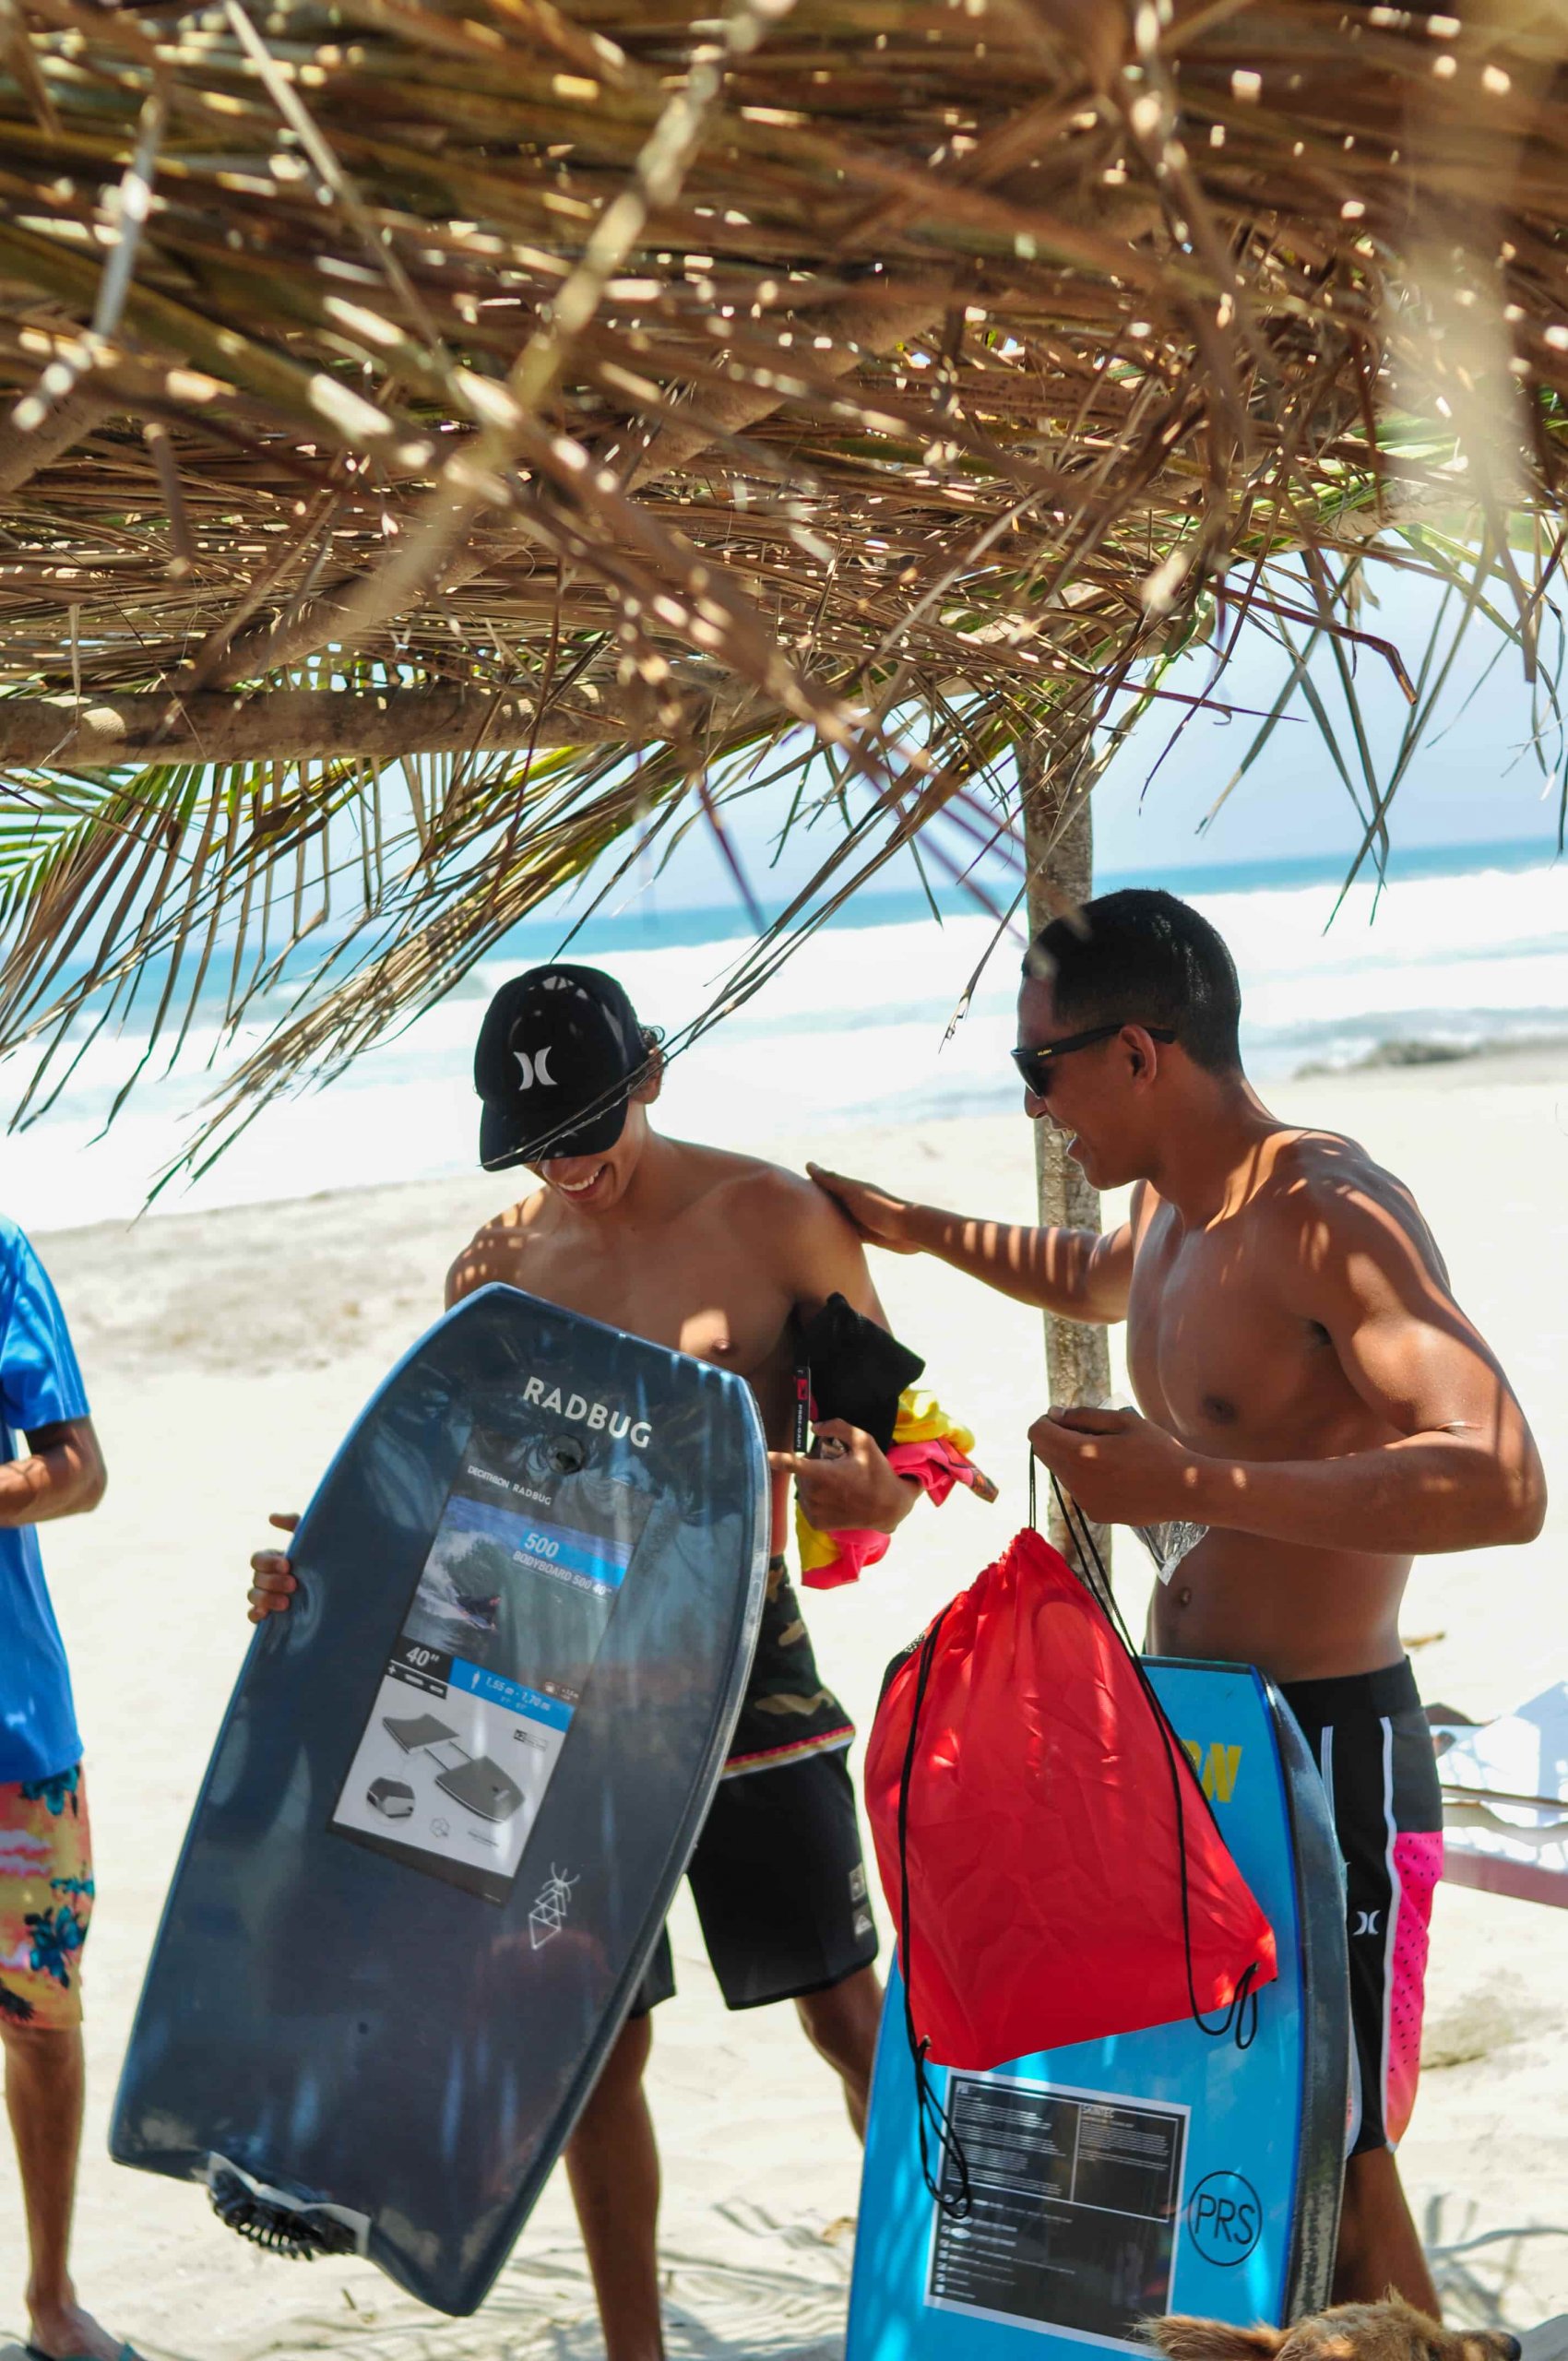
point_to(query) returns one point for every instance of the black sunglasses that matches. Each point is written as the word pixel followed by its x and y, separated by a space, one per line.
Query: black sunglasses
pixel 1035 1065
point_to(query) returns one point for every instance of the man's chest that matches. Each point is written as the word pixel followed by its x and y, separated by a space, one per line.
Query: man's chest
pixel 693 1293
pixel 1212 1349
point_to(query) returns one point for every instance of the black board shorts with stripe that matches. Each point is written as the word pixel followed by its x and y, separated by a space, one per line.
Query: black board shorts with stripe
pixel 779 1882
pixel 1371 1742
pixel 778 1874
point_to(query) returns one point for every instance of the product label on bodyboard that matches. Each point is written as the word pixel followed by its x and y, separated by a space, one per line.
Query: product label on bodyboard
pixel 1076 2196
pixel 490 1664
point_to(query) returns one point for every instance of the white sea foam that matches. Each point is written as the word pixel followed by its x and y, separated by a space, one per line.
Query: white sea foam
pixel 852 1030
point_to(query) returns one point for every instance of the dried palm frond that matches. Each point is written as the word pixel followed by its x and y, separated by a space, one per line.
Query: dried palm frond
pixel 438 445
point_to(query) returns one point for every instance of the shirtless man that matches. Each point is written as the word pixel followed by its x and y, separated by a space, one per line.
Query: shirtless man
pixel 711 1253
pixel 1316 1410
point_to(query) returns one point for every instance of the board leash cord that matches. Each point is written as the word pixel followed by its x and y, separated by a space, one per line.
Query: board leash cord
pixel 279 2228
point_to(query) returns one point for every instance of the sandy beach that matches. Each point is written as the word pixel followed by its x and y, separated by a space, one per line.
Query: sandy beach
pixel 225 1353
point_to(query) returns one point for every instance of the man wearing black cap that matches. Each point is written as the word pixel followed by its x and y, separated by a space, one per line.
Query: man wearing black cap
pixel 713 1254
pixel 556 1060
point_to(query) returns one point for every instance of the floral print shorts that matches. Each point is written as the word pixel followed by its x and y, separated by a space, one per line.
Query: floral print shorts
pixel 45 1898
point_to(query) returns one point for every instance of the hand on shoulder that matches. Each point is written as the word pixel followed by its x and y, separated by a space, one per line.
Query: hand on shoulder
pixel 799 1236
pixel 772 1203
pixel 879 1218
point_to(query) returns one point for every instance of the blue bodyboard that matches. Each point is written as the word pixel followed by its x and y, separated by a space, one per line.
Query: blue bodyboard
pixel 454 1793
pixel 1160 2171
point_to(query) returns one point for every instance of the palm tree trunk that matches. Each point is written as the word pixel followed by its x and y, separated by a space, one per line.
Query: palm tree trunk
pixel 1059 845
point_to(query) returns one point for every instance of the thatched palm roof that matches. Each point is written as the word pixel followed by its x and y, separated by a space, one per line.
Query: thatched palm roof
pixel 520 387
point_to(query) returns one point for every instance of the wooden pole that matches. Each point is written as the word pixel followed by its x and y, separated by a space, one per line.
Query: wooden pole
pixel 1059 847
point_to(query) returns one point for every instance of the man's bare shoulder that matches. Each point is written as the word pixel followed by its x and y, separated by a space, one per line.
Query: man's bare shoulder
pixel 1332 1198
pixel 761 1197
pixel 787 1225
pixel 495 1249
pixel 1321 1170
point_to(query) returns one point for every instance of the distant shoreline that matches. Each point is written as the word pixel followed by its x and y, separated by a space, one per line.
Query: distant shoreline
pixel 1396 1053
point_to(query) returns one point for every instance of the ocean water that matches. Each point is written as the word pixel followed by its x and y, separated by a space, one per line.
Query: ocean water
pixel 1466 946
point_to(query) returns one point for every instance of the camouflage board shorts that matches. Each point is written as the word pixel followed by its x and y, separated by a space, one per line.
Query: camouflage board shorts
pixel 788 1713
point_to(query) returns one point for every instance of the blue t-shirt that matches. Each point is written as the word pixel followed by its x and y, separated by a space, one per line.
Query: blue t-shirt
pixel 40 1385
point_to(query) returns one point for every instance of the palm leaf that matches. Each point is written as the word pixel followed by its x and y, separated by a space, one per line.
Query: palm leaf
pixel 819 401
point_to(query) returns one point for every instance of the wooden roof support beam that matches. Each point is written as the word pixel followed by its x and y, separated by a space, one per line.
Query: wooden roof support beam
pixel 290 725
pixel 23 450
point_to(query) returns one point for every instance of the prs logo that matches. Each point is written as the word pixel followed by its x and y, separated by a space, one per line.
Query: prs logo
pixel 1224 2217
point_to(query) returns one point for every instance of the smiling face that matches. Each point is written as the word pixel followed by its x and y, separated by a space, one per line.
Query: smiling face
pixel 593 1184
pixel 1149 966
pixel 1100 1095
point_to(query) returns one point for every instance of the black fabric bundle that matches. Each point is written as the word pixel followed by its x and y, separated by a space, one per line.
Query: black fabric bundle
pixel 858 1371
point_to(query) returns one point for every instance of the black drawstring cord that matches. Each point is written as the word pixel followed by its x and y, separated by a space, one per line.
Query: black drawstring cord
pixel 928 2106
pixel 1241 2019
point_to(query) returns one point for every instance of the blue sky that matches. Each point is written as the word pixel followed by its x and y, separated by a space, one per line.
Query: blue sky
pixel 1475 781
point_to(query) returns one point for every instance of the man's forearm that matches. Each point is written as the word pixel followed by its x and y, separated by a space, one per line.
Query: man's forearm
pixel 1415 1497
pixel 61 1480
pixel 1049 1268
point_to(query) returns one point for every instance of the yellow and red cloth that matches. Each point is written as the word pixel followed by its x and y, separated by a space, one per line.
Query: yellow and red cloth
pixel 930 1449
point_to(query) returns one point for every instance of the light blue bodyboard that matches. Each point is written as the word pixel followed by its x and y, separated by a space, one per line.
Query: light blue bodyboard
pixel 1161 2171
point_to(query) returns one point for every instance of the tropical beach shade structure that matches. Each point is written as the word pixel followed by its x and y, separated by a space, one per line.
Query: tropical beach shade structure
pixel 1044 1845
pixel 598 411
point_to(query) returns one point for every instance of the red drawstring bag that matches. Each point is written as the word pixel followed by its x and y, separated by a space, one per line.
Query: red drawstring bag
pixel 1045 1846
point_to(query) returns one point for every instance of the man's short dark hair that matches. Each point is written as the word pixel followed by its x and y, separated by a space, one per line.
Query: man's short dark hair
pixel 1144 958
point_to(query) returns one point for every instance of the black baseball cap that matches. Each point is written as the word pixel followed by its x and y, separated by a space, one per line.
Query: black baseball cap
pixel 557 1054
